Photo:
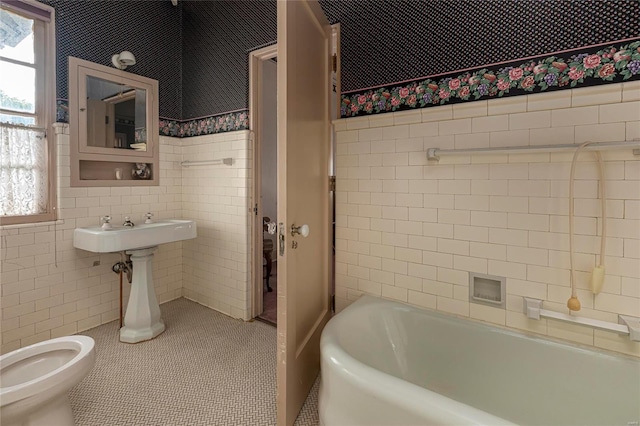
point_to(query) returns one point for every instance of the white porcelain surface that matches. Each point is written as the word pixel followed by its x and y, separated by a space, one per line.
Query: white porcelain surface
pixel 35 380
pixel 142 320
pixel 386 363
pixel 142 235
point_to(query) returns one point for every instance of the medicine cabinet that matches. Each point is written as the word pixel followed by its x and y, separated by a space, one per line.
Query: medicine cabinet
pixel 113 123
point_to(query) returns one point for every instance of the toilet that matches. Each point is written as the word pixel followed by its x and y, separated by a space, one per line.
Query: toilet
pixel 35 381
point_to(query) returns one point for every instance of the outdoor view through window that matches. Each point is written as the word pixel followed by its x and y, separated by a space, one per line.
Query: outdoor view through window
pixel 24 154
pixel 17 86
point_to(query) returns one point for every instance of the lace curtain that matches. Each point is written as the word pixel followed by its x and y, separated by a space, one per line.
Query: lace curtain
pixel 23 171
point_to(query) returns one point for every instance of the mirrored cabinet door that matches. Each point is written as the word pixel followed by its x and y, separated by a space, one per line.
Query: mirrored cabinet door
pixel 116 115
pixel 113 119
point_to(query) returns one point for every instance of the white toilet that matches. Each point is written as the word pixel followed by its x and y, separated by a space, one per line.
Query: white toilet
pixel 35 381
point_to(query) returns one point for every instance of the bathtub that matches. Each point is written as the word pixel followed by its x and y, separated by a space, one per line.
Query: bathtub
pixel 385 363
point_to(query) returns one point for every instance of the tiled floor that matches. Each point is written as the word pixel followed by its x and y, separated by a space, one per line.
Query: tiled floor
pixel 205 369
pixel 270 298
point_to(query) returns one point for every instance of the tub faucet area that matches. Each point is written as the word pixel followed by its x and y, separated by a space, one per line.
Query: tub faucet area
pixel 127 222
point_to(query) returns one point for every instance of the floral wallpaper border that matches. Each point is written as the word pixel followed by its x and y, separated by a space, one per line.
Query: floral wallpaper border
pixel 229 122
pixel 62 110
pixel 581 69
pixel 587 68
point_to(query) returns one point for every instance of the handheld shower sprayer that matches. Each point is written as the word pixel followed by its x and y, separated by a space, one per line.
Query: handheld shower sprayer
pixel 597 276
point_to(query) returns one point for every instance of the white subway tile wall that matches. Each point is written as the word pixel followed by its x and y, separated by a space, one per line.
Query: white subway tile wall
pixel 49 288
pixel 216 264
pixel 406 229
pixel 411 231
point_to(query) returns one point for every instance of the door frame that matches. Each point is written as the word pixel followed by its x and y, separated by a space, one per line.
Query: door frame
pixel 256 59
pixel 335 46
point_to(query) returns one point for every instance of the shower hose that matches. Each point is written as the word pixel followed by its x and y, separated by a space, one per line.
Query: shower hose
pixel 597 276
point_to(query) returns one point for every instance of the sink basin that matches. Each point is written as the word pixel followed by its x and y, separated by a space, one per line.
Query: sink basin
pixel 117 239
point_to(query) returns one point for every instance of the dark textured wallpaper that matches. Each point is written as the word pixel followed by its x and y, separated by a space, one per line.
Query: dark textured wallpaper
pixel 95 30
pixel 199 50
pixel 387 41
pixel 218 36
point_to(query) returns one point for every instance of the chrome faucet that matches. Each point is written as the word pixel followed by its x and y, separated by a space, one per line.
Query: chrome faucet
pixel 106 225
pixel 127 222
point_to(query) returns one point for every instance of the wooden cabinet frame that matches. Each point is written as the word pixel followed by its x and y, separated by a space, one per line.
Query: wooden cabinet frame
pixel 95 165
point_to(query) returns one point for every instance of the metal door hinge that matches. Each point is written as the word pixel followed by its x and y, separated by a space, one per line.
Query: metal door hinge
pixel 332 184
pixel 255 209
pixel 333 303
pixel 334 62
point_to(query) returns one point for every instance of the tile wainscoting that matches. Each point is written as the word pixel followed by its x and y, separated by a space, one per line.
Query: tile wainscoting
pixel 410 230
pixel 216 264
pixel 406 229
pixel 51 289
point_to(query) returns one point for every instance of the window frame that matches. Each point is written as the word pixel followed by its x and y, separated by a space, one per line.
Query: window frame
pixel 44 35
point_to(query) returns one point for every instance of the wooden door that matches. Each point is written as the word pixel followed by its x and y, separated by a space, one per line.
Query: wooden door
pixel 303 198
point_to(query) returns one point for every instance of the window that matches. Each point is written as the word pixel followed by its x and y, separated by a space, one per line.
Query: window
pixel 27 110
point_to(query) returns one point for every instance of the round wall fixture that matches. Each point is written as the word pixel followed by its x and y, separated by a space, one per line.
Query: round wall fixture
pixel 123 60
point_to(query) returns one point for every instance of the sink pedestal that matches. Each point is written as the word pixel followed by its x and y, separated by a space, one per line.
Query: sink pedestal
pixel 142 320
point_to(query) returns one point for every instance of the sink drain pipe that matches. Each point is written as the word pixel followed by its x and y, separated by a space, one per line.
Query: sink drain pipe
pixel 120 268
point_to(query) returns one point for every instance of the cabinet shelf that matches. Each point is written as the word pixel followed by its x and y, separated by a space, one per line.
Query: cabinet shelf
pixel 104 173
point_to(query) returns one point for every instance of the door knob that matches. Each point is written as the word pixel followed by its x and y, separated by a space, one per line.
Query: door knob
pixel 301 230
pixel 271 227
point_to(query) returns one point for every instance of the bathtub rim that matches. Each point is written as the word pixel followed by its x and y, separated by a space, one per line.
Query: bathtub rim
pixel 516 332
pixel 335 356
pixel 401 392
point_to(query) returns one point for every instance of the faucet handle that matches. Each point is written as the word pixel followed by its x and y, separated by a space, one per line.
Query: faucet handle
pixel 148 217
pixel 105 222
pixel 127 221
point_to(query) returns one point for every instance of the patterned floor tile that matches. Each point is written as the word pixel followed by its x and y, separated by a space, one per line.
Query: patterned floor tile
pixel 205 369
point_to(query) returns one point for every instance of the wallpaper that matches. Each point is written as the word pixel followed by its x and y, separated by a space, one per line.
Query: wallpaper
pixel 199 51
pixel 96 30
pixel 385 42
pixel 218 36
pixel 585 67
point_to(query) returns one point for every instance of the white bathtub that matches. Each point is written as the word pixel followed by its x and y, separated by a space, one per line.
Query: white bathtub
pixel 385 363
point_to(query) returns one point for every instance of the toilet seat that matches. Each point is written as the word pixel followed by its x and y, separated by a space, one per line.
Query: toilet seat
pixel 71 370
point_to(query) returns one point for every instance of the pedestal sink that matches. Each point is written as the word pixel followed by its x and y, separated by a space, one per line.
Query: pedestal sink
pixel 142 320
